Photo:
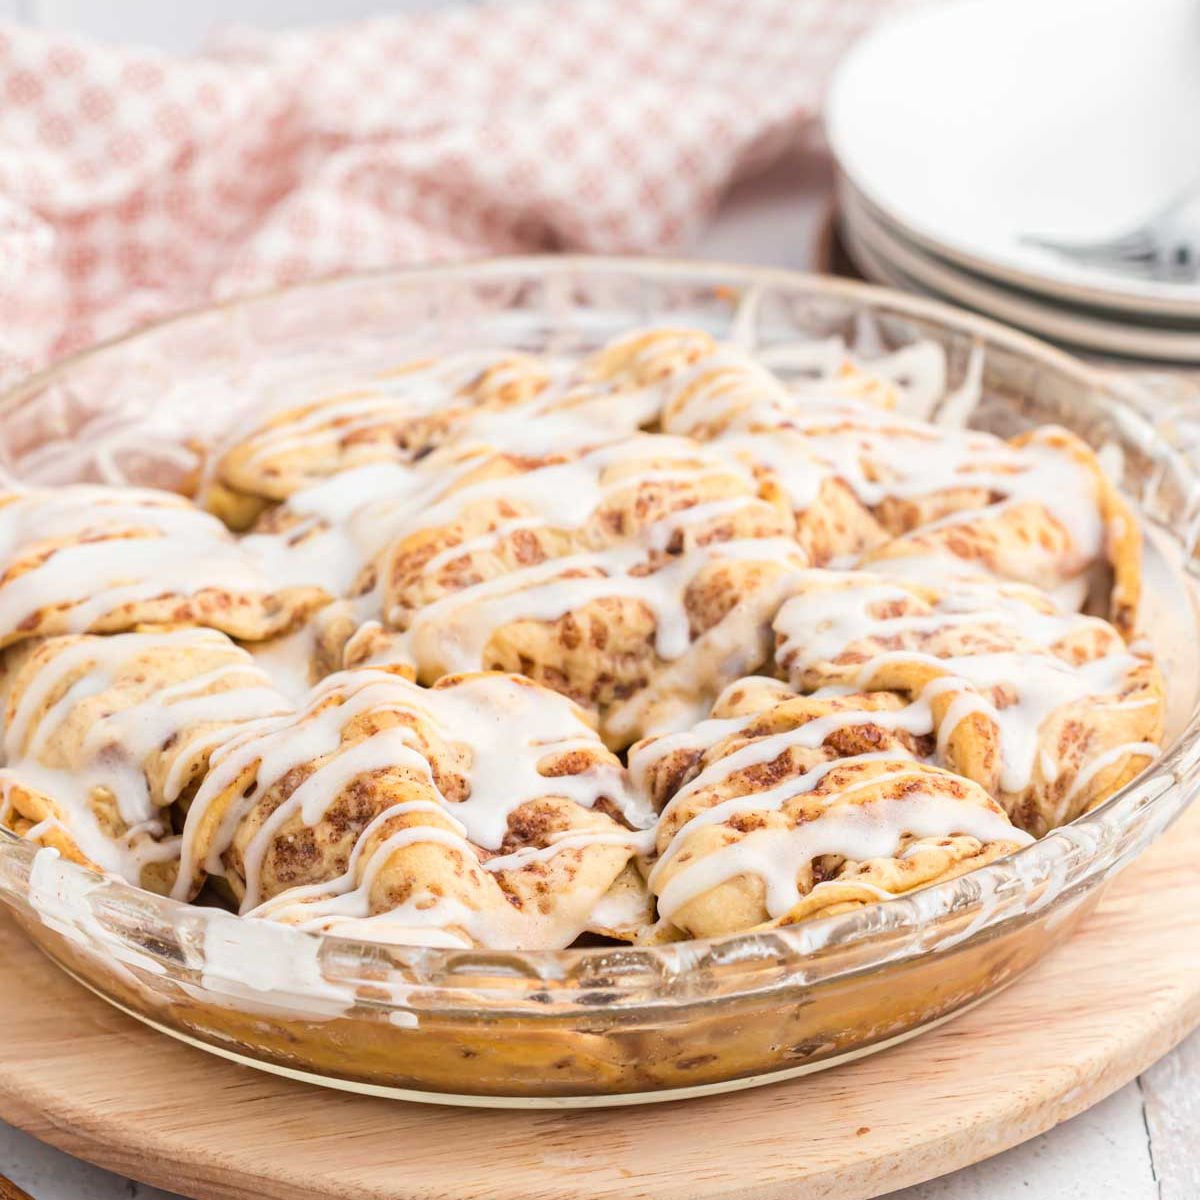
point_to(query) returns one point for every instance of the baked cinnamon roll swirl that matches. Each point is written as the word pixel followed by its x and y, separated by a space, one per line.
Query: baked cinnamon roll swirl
pixel 622 386
pixel 637 578
pixel 868 483
pixel 391 704
pixel 1047 709
pixel 337 531
pixel 832 525
pixel 392 418
pixel 810 806
pixel 482 811
pixel 1051 518
pixel 398 418
pixel 105 559
pixel 103 735
pixel 728 392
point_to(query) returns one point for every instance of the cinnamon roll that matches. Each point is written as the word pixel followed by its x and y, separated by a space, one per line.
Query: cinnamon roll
pixel 1047 709
pixel 728 392
pixel 103 735
pixel 1051 518
pixel 105 559
pixel 481 811
pixel 809 806
pixel 399 417
pixel 869 484
pixel 637 578
pixel 394 417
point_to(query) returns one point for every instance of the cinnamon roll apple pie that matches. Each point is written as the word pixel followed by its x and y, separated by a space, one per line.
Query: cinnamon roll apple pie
pixel 513 650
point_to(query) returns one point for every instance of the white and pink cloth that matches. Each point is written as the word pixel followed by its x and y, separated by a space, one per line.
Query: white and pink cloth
pixel 133 183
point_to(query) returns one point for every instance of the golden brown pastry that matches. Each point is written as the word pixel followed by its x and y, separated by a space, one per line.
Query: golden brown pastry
pixel 637 578
pixel 809 807
pixel 102 735
pixel 458 590
pixel 480 468
pixel 1049 710
pixel 399 417
pixel 104 559
pixel 483 811
pixel 336 531
pixel 1051 518
pixel 647 357
pixel 869 484
pixel 622 386
pixel 833 526
pixel 394 417
pixel 729 397
pixel 729 392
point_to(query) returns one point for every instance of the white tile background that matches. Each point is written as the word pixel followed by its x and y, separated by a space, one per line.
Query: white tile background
pixel 1143 1143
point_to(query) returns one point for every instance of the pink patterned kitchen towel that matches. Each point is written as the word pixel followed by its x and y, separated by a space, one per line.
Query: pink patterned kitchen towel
pixel 133 183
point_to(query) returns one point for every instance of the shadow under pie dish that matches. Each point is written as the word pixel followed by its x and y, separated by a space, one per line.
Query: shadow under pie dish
pixel 588 698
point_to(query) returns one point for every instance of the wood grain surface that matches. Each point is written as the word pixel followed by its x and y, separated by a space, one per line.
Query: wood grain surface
pixel 94 1082
pixel 10 1191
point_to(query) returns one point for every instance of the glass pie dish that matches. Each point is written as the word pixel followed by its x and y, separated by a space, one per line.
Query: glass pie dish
pixel 604 1024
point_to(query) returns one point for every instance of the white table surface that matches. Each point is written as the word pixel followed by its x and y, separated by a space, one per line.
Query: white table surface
pixel 1142 1143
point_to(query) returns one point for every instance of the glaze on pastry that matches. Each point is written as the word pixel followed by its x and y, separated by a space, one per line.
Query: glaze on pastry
pixel 1050 711
pixel 103 736
pixel 88 559
pixel 809 806
pixel 481 811
pixel 502 649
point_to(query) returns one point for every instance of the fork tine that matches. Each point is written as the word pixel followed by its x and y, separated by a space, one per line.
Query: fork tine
pixel 1136 245
pixel 1165 246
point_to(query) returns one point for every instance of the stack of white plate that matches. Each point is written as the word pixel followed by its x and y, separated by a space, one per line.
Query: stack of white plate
pixel 965 127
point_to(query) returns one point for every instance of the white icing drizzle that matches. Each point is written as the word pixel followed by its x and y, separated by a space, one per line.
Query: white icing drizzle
pixel 341 905
pixel 569 410
pixel 350 519
pixel 914 719
pixel 376 404
pixel 704 394
pixel 787 456
pixel 699 737
pixel 288 661
pixel 640 840
pixel 881 454
pixel 123 856
pixel 1100 763
pixel 193 716
pixel 582 423
pixel 856 832
pixel 820 622
pixel 186 551
pixel 51 513
pixel 509 728
pixel 454 631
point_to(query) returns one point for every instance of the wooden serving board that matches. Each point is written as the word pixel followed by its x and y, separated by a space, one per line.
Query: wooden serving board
pixel 88 1079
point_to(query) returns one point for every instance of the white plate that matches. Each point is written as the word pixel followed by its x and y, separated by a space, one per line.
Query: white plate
pixel 886 252
pixel 885 260
pixel 971 123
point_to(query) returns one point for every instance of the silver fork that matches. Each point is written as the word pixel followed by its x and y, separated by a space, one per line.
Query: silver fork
pixel 1166 247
